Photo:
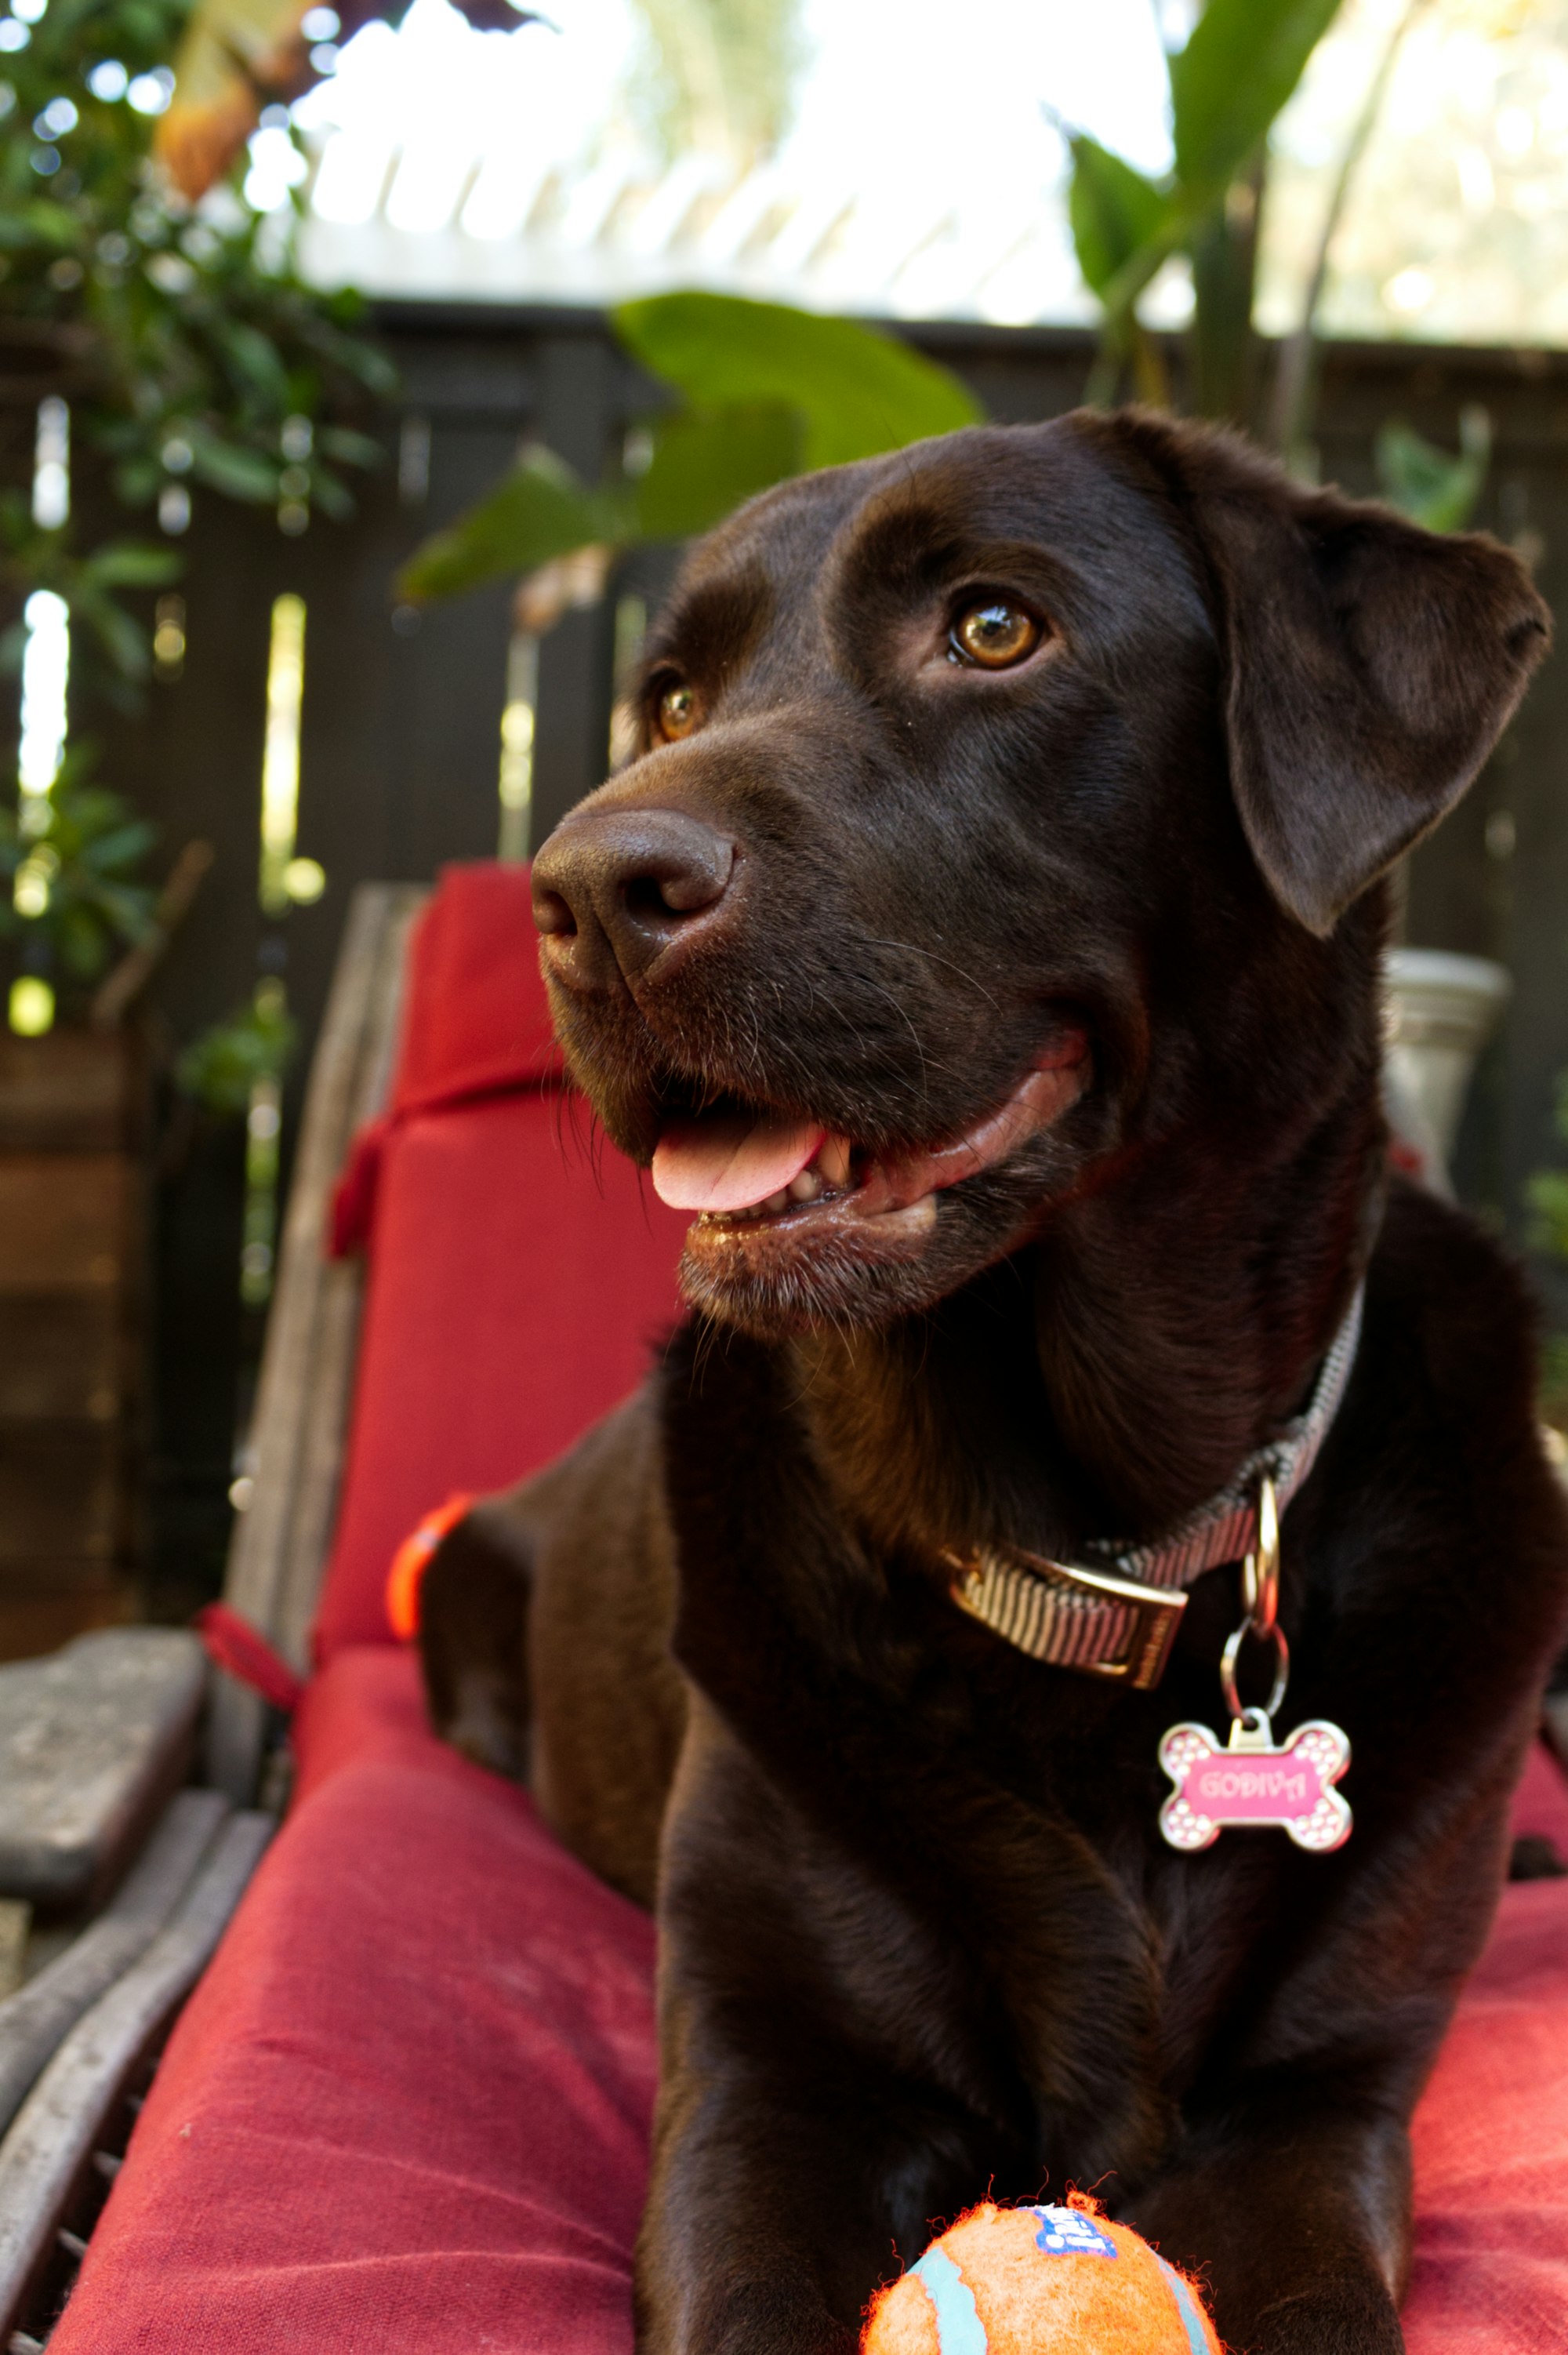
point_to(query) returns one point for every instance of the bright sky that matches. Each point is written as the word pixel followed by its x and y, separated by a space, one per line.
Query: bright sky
pixel 922 176
pixel 937 137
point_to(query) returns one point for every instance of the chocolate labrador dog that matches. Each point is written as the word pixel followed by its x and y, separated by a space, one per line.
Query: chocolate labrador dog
pixel 984 945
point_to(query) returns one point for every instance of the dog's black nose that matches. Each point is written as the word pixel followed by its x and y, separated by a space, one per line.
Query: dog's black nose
pixel 623 888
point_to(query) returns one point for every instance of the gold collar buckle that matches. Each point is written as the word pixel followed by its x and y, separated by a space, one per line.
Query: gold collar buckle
pixel 1049 1610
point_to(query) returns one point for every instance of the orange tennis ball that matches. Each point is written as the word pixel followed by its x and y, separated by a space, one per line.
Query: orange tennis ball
pixel 1032 2281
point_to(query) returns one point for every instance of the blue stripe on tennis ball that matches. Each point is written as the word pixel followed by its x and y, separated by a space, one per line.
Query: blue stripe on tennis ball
pixel 959 2331
pixel 1192 2323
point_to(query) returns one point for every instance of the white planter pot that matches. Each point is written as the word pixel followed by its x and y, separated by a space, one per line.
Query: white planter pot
pixel 1441 1011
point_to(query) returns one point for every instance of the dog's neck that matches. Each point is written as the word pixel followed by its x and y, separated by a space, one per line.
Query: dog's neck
pixel 1109 1378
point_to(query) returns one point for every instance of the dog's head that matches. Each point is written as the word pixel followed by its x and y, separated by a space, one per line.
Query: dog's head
pixel 992 802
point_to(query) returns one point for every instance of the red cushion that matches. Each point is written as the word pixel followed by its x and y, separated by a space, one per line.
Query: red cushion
pixel 522 1272
pixel 1491 2135
pixel 475 1017
pixel 408 2106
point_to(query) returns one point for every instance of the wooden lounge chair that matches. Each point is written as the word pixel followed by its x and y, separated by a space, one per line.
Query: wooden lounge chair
pixel 408 2104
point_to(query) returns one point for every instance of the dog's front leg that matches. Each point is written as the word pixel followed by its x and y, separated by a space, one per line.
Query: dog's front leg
pixel 1296 2211
pixel 815 2108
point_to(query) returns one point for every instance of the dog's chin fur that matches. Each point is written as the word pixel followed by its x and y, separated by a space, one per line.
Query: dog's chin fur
pixel 774 1280
pixel 769 1283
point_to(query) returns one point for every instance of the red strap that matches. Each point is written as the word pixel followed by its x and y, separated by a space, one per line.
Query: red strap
pixel 234 1645
pixel 411 1562
pixel 353 1197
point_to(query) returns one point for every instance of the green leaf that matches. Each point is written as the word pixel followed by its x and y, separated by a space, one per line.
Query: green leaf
pixel 1115 212
pixel 82 942
pixel 332 497
pixel 341 441
pixel 238 474
pixel 132 564
pixel 859 392
pixel 122 638
pixel 220 1067
pixel 1240 65
pixel 1430 485
pixel 126 847
pixel 541 509
pixel 253 359
pixel 704 466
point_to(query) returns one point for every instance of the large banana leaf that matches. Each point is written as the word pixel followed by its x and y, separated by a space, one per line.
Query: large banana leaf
pixel 706 463
pixel 540 510
pixel 1227 86
pixel 1429 484
pixel 1240 65
pixel 858 392
pixel 1114 211
pixel 767 391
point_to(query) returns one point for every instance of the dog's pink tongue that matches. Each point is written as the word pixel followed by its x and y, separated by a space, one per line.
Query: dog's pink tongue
pixel 728 1160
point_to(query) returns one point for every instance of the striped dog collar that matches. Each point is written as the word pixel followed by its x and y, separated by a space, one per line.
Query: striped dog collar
pixel 1117 1616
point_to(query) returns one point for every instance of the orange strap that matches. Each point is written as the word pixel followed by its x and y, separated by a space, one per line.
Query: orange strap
pixel 411 1562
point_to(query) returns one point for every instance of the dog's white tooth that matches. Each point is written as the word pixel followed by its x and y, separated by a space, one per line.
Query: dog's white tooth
pixel 806 1186
pixel 776 1203
pixel 832 1159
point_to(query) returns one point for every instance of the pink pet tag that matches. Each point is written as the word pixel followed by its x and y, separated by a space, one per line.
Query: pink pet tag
pixel 1255 1781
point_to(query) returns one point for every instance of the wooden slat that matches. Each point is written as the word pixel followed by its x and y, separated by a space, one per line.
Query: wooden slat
pixel 61 1355
pixel 34 2019
pixel 330 1387
pixel 59 1491
pixel 73 1091
pixel 51 2140
pixel 307 1369
pixel 64 1219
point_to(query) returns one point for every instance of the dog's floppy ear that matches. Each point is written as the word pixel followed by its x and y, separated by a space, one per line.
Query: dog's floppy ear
pixel 1372 666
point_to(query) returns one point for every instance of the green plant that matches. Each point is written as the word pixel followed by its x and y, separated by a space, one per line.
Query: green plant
pixel 1547 1191
pixel 70 893
pixel 1434 487
pixel 192 356
pixel 1547 1195
pixel 1228 84
pixel 759 392
pixel 221 1069
pixel 92 586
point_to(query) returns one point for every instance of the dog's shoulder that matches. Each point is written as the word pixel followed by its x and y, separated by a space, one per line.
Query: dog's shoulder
pixel 1437 1470
pixel 1449 1310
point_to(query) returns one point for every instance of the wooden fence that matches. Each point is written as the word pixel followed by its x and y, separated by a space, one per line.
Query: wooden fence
pixel 401 753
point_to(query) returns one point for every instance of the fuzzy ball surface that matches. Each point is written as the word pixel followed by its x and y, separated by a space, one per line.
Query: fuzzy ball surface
pixel 1030 2281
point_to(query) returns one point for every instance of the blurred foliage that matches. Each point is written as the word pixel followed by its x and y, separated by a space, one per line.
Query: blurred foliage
pixel 761 391
pixel 1548 1192
pixel 190 351
pixel 1547 1195
pixel 1237 70
pixel 69 897
pixel 719 75
pixel 91 585
pixel 1431 485
pixel 258 1041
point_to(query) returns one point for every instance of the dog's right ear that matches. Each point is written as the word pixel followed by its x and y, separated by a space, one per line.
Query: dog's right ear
pixel 1370 665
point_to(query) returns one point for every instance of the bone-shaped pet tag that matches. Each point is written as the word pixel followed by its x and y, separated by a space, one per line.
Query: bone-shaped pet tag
pixel 1252 1780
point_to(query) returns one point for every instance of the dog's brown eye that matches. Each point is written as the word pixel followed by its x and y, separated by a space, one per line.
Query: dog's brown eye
pixel 678 713
pixel 994 635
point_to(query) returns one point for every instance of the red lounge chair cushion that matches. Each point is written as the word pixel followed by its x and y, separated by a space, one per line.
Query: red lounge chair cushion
pixel 408 2107
pixel 522 1273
